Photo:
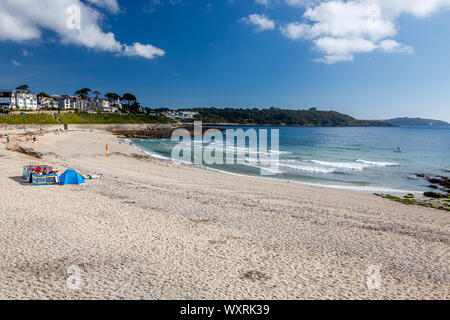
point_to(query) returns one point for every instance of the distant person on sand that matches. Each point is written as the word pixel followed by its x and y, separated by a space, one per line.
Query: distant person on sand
pixel 107 150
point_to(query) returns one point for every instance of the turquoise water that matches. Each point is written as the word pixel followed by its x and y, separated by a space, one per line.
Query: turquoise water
pixel 354 158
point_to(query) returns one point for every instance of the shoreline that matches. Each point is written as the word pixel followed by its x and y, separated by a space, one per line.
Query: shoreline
pixel 338 187
pixel 152 229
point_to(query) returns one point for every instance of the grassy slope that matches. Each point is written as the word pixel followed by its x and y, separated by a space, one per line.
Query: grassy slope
pixel 27 119
pixel 73 118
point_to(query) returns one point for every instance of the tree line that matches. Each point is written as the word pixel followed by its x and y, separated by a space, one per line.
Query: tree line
pixel 280 117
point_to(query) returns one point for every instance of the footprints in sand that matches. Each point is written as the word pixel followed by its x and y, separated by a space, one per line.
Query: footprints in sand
pixel 200 220
pixel 255 275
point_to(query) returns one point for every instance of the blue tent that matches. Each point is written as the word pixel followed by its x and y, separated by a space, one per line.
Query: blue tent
pixel 71 177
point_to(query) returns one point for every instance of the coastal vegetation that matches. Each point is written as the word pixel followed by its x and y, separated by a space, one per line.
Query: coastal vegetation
pixel 441 203
pixel 134 113
pixel 28 119
pixel 111 118
pixel 280 117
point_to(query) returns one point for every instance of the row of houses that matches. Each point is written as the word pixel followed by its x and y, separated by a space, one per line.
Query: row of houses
pixel 180 115
pixel 15 100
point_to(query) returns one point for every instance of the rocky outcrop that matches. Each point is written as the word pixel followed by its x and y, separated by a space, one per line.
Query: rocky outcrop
pixel 157 132
pixel 440 183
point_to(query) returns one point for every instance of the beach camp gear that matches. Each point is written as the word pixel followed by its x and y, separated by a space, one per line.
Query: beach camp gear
pixel 92 176
pixel 27 171
pixel 43 179
pixel 39 170
pixel 71 177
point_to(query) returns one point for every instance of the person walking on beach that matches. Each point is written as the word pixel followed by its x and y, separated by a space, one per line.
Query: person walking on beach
pixel 107 150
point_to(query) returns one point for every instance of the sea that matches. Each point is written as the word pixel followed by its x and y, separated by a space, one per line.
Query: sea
pixel 367 159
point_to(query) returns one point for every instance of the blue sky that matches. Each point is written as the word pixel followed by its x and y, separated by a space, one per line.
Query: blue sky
pixel 368 58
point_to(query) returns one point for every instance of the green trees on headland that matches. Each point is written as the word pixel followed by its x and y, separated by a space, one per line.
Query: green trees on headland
pixel 281 117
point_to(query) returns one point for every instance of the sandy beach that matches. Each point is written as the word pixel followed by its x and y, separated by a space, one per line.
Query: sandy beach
pixel 150 229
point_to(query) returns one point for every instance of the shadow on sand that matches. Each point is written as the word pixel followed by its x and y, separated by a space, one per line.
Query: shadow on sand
pixel 20 180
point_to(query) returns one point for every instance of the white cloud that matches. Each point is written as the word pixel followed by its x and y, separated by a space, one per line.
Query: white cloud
pixel 140 50
pixel 111 5
pixel 17 64
pixel 340 29
pixel 338 50
pixel 390 45
pixel 260 22
pixel 24 20
pixel 296 30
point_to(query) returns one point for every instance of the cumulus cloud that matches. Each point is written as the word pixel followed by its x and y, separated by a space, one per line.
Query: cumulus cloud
pixel 147 51
pixel 111 5
pixel 73 21
pixel 340 29
pixel 390 45
pixel 260 22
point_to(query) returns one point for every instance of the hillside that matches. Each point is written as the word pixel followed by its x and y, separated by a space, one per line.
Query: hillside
pixel 416 122
pixel 280 117
pixel 27 119
pixel 110 118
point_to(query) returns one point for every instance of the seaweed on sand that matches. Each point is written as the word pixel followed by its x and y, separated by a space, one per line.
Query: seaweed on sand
pixel 410 200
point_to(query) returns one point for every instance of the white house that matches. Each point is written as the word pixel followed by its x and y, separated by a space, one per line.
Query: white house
pixel 98 104
pixel 180 115
pixel 116 105
pixel 26 101
pixel 12 99
pixel 63 102
pixel 44 102
pixel 66 102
